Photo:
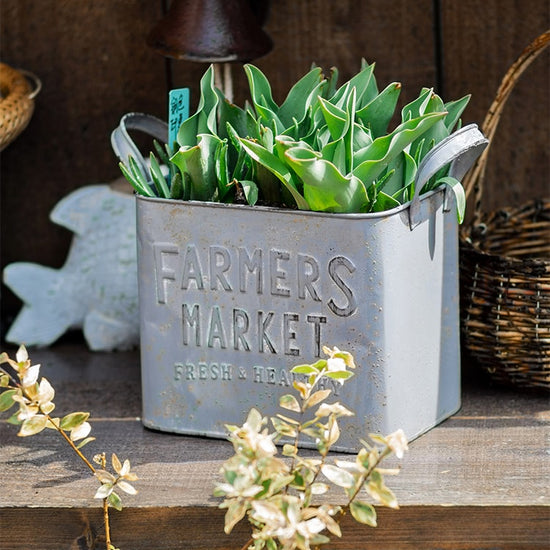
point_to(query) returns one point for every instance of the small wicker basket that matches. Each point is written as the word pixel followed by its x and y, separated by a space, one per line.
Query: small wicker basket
pixel 505 271
pixel 16 102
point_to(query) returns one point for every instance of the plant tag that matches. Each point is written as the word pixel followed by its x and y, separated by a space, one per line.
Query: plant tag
pixel 178 111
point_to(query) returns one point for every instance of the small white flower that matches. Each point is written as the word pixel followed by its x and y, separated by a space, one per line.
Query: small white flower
pixel 397 442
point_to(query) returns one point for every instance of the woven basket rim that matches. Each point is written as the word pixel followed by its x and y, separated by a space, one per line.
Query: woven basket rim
pixel 476 244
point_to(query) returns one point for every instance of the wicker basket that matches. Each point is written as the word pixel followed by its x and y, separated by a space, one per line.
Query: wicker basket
pixel 505 271
pixel 16 102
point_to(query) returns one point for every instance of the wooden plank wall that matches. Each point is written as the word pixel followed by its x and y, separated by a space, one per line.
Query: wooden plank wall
pixel 92 59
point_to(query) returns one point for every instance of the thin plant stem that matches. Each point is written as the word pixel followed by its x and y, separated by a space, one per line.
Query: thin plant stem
pixel 366 475
pixel 108 543
pixel 247 543
pixel 303 409
pixel 73 446
pixel 14 384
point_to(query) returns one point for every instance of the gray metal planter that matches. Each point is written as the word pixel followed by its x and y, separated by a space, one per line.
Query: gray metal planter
pixel 233 296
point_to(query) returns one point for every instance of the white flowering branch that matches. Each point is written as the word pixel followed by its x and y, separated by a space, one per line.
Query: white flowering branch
pixel 34 399
pixel 276 494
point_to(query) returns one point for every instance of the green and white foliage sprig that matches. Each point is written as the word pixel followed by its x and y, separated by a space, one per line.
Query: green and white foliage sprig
pixel 277 493
pixel 20 386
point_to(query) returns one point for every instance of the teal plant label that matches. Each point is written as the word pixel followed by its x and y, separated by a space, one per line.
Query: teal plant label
pixel 178 111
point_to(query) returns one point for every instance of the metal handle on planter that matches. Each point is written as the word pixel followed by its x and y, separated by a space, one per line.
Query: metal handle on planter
pixel 461 149
pixel 124 146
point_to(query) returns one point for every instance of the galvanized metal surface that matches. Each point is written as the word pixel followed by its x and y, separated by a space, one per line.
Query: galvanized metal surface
pixel 231 297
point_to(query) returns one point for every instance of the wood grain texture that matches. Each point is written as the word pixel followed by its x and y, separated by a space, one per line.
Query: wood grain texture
pixel 400 39
pixel 480 41
pixel 473 462
pixel 477 481
pixel 414 528
pixel 95 66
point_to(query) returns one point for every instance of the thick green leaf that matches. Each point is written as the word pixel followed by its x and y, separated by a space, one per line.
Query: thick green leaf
pixel 460 196
pixel 240 167
pixel 176 189
pixel 221 168
pixel 335 118
pixel 372 160
pixel 417 107
pixel 187 133
pixel 277 167
pixel 384 202
pixel 233 115
pixel 325 188
pixel 208 103
pixel 348 136
pixel 377 114
pixel 204 119
pixel 267 138
pixel 454 112
pixel 138 182
pixel 363 512
pixel 341 96
pixel 361 83
pixel 158 178
pixel 404 174
pixel 306 126
pixel 294 106
pixel 332 83
pixel 335 152
pixel 371 91
pixel 362 136
pixel 260 88
pixel 250 190
pixel 199 164
pixel 438 131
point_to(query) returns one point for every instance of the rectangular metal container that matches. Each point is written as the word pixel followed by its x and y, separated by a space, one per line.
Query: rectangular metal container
pixel 231 297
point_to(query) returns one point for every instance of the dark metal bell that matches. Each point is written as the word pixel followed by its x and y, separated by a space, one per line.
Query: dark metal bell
pixel 212 31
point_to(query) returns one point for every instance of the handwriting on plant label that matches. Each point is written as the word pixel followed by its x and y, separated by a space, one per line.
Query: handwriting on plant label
pixel 245 284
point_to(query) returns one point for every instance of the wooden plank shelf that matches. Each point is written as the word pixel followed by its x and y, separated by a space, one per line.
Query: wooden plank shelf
pixel 477 481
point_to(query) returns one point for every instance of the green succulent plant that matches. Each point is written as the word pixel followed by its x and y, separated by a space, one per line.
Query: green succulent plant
pixel 325 148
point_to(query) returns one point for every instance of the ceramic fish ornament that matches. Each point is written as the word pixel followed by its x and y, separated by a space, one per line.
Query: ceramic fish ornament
pixel 96 289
